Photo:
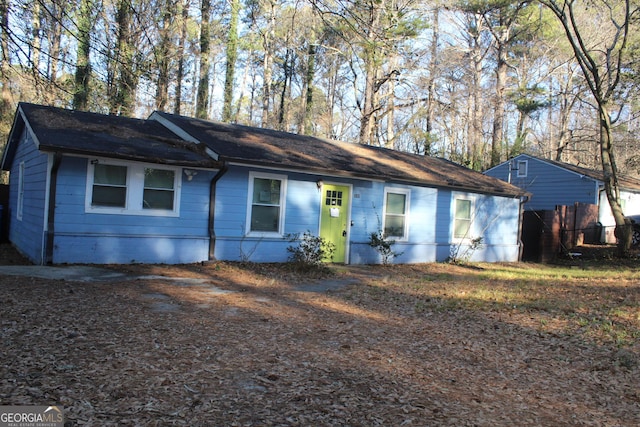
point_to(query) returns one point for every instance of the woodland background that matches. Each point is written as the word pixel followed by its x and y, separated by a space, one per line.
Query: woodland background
pixel 474 81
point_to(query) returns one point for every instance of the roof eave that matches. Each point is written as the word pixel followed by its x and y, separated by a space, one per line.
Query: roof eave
pixel 19 124
pixel 399 180
pixel 144 159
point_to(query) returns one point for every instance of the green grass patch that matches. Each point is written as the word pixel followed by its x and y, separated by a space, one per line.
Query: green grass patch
pixel 598 304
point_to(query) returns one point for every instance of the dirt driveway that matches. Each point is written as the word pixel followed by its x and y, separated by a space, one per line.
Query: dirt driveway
pixel 245 347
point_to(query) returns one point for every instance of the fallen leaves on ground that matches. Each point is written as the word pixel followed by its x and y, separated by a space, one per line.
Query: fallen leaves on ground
pixel 248 346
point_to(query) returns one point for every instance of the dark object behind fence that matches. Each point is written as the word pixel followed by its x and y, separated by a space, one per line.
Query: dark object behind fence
pixel 546 234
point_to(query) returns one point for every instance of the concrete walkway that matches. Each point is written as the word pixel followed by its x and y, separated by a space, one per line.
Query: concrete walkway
pixel 74 273
pixel 82 273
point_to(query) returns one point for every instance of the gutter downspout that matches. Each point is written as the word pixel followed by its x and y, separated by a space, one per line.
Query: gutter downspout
pixel 523 200
pixel 212 210
pixel 51 209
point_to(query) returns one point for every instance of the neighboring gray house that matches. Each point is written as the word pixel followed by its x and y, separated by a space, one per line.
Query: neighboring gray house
pixel 92 188
pixel 554 183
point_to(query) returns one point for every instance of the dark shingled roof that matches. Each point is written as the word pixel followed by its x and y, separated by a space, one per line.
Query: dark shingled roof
pixel 92 134
pixel 179 140
pixel 249 145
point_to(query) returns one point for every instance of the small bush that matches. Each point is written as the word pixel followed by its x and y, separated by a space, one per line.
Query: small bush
pixel 461 254
pixel 310 250
pixel 383 246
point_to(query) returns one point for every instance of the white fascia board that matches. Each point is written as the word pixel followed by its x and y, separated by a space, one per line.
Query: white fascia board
pixel 181 133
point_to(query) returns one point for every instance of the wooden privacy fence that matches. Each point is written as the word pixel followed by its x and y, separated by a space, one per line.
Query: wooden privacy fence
pixel 545 234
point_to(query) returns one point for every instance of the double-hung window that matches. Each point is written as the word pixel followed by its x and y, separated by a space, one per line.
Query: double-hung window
pixel 109 186
pixel 159 189
pixel 266 203
pixel 132 188
pixel 396 208
pixel 462 218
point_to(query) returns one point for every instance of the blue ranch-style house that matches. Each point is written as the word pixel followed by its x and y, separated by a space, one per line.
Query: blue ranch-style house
pixel 92 188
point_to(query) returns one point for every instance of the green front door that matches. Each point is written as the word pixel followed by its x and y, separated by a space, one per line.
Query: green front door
pixel 333 219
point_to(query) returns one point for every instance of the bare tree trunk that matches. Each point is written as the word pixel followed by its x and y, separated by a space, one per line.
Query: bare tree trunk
pixel 305 123
pixel 567 101
pixel 36 47
pixel 371 69
pixel 177 108
pixel 267 41
pixel 36 37
pixel 390 101
pixel 391 109
pixel 287 71
pixel 611 187
pixel 243 87
pixel 164 54
pixel 54 39
pixel 602 74
pixel 331 98
pixel 497 135
pixel 202 99
pixel 368 105
pixel 476 139
pixel 83 63
pixel 123 99
pixel 431 83
pixel 232 57
pixel 6 100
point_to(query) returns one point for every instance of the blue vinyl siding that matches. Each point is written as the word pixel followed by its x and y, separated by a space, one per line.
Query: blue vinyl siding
pixel 421 222
pixel 302 213
pixel 494 219
pixel 27 234
pixel 430 218
pixel 550 185
pixel 86 237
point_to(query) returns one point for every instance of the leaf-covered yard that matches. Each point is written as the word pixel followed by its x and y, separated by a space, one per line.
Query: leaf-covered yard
pixel 249 345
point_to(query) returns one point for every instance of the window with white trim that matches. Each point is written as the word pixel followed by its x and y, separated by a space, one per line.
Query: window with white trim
pixel 462 218
pixel 109 186
pixel 132 188
pixel 265 211
pixel 159 189
pixel 522 167
pixel 20 202
pixel 396 209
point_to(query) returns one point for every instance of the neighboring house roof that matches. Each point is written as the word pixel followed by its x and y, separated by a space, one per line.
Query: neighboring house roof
pixel 68 131
pixel 256 146
pixel 625 181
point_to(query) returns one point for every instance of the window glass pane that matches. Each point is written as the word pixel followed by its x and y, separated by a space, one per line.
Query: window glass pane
pixel 109 196
pixel 158 178
pixel 394 226
pixel 462 222
pixel 266 191
pixel 396 203
pixel 157 199
pixel 109 186
pixel 461 228
pixel 110 174
pixel 463 209
pixel 265 218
